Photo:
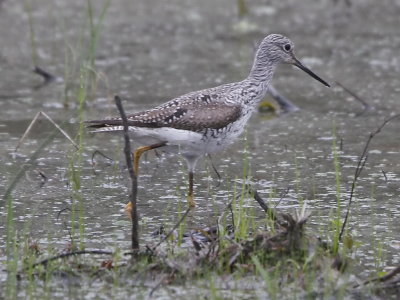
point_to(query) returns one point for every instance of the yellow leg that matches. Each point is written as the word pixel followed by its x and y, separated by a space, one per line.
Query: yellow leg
pixel 190 194
pixel 136 158
pixel 128 209
pixel 138 153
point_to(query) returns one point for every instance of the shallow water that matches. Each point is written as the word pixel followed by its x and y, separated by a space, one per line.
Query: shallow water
pixel 151 52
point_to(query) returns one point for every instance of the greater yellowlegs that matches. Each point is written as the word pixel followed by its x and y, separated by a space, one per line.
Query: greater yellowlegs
pixel 206 121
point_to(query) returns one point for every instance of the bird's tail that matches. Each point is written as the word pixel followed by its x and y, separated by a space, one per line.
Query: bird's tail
pixel 105 125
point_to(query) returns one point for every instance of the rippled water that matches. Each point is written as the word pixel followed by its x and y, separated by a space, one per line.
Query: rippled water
pixel 151 52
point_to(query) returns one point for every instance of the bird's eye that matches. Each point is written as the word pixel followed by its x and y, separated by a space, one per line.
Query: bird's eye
pixel 287 47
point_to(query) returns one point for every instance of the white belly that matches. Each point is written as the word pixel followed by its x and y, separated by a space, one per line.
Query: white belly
pixel 187 143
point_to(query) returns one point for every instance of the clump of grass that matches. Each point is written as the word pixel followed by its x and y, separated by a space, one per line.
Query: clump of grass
pixel 298 181
pixel 269 277
pixel 75 164
pixel 11 251
pixel 83 54
pixel 13 244
pixel 337 221
pixel 95 28
pixel 285 256
pixel 14 238
pixel 86 79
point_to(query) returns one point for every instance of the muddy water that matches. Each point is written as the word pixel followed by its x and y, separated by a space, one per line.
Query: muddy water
pixel 150 52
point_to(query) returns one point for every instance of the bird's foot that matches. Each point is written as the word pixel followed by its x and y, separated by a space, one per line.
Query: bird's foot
pixel 191 202
pixel 128 209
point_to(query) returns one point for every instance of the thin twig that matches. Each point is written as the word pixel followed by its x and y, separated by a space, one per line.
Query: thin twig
pixel 360 166
pixel 229 206
pixel 25 167
pixel 161 282
pixel 285 104
pixel 128 157
pixel 384 175
pixel 283 195
pixel 260 201
pixel 383 278
pixel 216 242
pixel 65 224
pixel 215 170
pixel 173 229
pixel 97 152
pixel 44 178
pixel 269 211
pixel 47 77
pixel 366 106
pixel 52 122
pixel 65 255
pixel 61 211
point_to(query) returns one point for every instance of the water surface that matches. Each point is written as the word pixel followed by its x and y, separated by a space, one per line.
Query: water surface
pixel 150 52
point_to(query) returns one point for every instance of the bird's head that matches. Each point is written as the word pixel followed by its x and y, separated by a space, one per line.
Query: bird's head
pixel 277 49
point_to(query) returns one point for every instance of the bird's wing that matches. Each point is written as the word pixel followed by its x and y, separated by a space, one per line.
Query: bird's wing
pixel 188 114
pixel 193 116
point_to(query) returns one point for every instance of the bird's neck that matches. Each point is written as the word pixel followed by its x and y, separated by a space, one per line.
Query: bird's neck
pixel 259 79
pixel 262 72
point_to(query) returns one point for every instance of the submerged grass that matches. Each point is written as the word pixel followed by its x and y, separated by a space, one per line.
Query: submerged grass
pixel 75 164
pixel 21 252
pixel 86 87
pixel 11 251
pixel 337 221
pixel 34 54
pixel 283 261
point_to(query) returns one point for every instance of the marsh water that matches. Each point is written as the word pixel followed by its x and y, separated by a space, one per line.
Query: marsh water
pixel 151 51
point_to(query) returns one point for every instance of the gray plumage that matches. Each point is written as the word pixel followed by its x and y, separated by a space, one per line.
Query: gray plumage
pixel 217 107
pixel 207 121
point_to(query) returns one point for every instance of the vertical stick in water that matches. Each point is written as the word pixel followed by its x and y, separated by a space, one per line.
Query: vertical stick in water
pixel 128 156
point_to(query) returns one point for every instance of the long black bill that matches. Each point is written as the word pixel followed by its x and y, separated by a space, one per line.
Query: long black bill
pixel 298 64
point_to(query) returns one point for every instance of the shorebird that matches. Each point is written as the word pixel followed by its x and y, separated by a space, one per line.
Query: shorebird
pixel 209 120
